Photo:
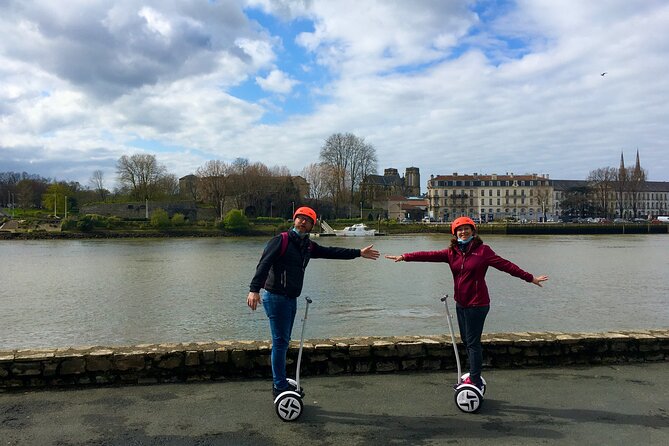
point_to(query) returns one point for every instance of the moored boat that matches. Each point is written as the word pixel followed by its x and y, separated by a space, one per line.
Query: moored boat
pixel 357 230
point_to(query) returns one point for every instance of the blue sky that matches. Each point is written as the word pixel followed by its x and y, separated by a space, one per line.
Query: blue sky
pixel 446 86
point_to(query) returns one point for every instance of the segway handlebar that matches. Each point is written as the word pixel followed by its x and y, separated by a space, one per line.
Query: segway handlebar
pixel 299 354
pixel 444 299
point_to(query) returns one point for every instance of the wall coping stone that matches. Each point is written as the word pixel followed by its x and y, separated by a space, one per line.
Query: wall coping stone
pixel 227 359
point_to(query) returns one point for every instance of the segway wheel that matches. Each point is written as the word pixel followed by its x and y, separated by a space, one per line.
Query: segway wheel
pixel 288 406
pixel 468 398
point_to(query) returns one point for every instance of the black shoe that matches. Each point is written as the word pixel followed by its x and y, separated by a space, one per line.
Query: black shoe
pixel 276 392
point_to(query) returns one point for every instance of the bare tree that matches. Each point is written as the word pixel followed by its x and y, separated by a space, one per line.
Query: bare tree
pixel 140 174
pixel 349 160
pixel 213 183
pixel 637 184
pixel 543 199
pixel 601 183
pixel 97 183
pixel 279 171
pixel 167 186
pixel 316 176
pixel 621 186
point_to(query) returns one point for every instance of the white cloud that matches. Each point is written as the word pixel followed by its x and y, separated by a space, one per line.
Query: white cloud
pixel 432 84
pixel 276 82
pixel 156 22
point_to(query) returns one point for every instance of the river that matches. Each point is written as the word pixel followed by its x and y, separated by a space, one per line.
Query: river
pixel 59 293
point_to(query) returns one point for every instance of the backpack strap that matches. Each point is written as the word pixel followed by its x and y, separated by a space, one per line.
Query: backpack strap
pixel 284 243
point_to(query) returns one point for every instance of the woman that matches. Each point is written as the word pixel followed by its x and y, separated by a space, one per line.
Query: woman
pixel 469 260
pixel 280 272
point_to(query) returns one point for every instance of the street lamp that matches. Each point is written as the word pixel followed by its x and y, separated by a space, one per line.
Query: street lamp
pixel 292 213
pixel 361 210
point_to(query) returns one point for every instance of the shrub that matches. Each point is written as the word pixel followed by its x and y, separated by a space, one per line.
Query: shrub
pixel 236 222
pixel 178 219
pixel 85 223
pixel 160 219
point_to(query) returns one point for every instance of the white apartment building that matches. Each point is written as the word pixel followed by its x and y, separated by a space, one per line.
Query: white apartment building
pixel 486 198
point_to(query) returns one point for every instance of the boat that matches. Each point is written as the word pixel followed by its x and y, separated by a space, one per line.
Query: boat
pixel 357 230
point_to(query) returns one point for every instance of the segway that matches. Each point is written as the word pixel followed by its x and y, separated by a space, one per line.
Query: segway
pixel 288 404
pixel 468 397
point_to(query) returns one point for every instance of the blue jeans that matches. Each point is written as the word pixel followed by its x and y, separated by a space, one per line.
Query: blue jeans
pixel 281 313
pixel 470 322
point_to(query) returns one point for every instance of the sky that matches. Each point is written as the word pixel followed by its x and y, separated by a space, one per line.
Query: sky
pixel 443 85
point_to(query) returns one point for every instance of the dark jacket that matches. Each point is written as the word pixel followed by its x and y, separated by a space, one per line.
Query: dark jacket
pixel 284 274
pixel 469 269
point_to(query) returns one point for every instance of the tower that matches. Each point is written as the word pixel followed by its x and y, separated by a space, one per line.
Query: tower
pixel 412 181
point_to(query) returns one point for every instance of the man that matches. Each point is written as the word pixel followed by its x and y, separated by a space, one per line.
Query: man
pixel 280 272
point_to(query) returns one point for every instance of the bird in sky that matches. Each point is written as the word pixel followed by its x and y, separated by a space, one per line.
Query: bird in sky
pixel 603 73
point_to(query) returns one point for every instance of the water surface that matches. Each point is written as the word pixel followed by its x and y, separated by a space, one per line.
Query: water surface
pixel 110 292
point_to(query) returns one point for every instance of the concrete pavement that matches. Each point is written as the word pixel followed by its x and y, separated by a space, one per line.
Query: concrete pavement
pixel 603 405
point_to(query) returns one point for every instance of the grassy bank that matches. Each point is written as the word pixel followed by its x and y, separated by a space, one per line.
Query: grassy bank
pixel 137 229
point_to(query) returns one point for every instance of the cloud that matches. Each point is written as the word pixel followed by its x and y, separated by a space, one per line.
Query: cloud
pixel 443 86
pixel 276 82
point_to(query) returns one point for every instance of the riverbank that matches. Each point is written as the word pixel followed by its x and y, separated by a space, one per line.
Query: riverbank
pixel 205 361
pixel 385 228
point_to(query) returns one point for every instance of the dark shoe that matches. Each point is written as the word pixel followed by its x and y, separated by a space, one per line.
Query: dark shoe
pixel 276 392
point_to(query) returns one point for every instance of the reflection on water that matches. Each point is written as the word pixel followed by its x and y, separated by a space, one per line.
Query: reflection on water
pixel 107 292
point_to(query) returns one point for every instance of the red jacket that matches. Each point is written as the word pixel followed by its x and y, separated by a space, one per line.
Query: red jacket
pixel 469 270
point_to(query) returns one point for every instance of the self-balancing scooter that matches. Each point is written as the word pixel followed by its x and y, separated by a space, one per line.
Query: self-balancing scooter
pixel 468 397
pixel 288 404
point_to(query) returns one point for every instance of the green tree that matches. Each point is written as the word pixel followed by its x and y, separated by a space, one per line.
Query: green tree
pixel 56 197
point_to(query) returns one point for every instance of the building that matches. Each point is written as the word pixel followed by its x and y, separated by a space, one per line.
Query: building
pixel 527 197
pixel 377 189
pixel 400 208
pixel 537 198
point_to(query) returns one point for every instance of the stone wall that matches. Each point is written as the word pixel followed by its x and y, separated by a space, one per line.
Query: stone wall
pixel 158 363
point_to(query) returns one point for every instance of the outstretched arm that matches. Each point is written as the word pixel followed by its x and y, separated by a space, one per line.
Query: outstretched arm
pixel 396 258
pixel 538 279
pixel 368 252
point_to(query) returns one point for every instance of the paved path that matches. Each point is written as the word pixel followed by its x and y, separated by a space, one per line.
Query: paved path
pixel 608 405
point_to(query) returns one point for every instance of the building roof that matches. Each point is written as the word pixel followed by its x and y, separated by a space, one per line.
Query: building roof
pixel 490 177
pixel 384 180
pixel 563 185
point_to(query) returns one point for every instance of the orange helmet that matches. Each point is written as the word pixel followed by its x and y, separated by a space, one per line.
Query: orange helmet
pixel 307 211
pixel 462 221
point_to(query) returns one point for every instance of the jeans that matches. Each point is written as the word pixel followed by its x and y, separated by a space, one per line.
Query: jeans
pixel 281 313
pixel 470 322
